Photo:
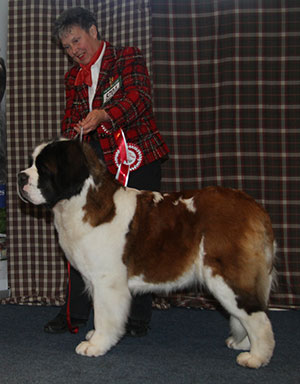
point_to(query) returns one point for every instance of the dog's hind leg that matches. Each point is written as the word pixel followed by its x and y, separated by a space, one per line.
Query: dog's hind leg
pixel 238 338
pixel 256 324
pixel 261 337
pixel 111 306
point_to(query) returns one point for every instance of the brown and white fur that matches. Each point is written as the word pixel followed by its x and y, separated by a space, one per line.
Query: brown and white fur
pixel 123 240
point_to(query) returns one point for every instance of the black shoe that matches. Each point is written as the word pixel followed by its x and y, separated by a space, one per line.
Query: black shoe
pixel 137 328
pixel 59 324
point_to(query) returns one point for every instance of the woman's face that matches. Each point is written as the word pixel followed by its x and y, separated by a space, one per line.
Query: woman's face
pixel 79 44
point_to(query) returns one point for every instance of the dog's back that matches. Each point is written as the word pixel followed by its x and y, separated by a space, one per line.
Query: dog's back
pixel 175 237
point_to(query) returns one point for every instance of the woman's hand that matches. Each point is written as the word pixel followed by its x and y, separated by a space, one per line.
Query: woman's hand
pixel 92 121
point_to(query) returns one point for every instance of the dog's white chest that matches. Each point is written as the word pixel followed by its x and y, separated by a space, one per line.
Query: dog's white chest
pixel 98 246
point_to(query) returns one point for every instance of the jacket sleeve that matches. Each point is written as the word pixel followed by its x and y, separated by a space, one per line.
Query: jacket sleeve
pixel 136 91
pixel 71 116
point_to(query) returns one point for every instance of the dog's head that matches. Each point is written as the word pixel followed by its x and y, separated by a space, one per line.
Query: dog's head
pixel 58 171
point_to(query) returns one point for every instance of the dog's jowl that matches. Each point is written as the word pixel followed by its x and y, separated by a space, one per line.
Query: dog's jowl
pixel 123 240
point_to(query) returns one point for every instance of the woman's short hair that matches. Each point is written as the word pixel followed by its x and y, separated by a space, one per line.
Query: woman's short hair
pixel 70 17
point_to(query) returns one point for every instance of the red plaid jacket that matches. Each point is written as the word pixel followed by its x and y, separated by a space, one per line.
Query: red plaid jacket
pixel 130 108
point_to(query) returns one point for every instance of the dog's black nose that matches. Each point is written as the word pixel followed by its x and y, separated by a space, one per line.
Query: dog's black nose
pixel 22 179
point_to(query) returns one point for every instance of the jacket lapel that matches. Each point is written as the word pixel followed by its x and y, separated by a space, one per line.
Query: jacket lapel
pixel 106 66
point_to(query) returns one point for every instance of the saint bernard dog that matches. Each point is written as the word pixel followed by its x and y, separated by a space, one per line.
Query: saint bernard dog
pixel 125 241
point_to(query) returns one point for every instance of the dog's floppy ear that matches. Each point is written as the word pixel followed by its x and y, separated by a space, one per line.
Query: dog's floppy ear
pixel 96 167
pixel 68 157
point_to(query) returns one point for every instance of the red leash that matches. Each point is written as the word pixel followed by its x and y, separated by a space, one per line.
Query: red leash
pixel 70 326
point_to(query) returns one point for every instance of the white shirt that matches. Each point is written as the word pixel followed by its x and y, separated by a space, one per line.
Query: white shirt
pixel 95 69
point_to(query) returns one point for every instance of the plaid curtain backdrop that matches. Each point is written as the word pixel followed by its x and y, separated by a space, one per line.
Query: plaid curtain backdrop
pixel 226 77
pixel 35 104
pixel 226 91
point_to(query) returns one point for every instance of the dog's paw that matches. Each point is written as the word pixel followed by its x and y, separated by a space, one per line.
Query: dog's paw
pixel 243 345
pixel 86 348
pixel 89 335
pixel 249 360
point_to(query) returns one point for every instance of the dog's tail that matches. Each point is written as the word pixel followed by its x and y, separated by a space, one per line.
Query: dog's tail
pixel 268 276
pixel 273 271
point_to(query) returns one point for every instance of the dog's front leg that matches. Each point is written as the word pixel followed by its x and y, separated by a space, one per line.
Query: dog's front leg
pixel 111 306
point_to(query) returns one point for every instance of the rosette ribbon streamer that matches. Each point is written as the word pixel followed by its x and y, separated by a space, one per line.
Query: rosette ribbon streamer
pixel 123 171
